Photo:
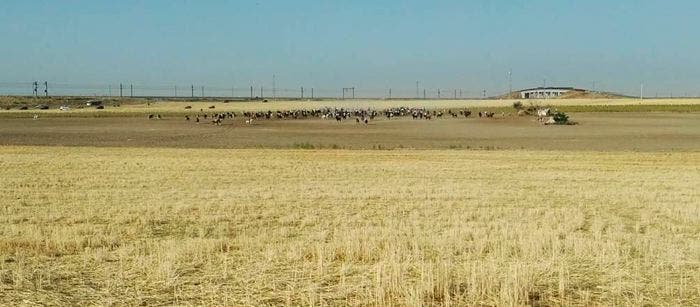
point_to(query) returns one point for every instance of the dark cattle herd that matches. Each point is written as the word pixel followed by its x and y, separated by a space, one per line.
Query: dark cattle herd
pixel 360 116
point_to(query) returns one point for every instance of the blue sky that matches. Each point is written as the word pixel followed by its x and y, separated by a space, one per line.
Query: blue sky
pixel 372 45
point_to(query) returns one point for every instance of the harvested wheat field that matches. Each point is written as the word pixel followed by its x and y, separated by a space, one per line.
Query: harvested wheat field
pixel 165 226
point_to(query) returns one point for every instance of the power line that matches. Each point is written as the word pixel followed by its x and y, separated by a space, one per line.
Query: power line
pixel 89 89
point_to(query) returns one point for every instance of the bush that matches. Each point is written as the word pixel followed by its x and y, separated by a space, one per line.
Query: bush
pixel 517 105
pixel 561 117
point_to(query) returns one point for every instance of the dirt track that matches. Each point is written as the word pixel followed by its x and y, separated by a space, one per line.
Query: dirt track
pixel 596 131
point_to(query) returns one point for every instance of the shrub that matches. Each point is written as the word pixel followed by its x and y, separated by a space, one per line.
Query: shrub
pixel 561 117
pixel 305 145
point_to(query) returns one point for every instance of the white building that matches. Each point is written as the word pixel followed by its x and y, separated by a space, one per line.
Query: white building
pixel 546 92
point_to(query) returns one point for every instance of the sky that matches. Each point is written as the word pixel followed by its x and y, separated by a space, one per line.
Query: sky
pixel 370 45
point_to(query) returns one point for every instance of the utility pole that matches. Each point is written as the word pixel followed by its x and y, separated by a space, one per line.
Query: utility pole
pixel 641 91
pixel 302 92
pixel 251 92
pixel 36 88
pixel 274 87
pixel 121 87
pixel 312 93
pixel 417 90
pixel 510 82
pixel 46 88
pixel 261 93
pixel 484 93
pixel 192 90
pixel 131 86
pixel 438 91
pixel 202 91
pixel 455 94
pixel 175 90
pixel 109 90
pixel 389 93
pixel 424 96
pixel 352 89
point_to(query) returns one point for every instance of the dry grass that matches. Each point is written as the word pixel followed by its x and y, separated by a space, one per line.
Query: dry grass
pixel 253 227
pixel 138 107
pixel 437 104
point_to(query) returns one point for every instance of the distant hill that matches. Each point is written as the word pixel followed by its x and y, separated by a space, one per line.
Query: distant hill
pixel 591 95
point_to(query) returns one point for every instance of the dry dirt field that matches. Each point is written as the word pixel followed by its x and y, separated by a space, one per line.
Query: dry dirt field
pixel 596 131
pixel 122 210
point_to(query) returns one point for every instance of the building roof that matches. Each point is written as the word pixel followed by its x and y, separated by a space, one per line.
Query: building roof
pixel 551 88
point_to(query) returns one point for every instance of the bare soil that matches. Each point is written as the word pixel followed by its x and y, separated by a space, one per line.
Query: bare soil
pixel 595 132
